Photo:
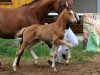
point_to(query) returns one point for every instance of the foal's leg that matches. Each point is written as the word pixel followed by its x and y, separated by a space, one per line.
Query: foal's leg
pixel 19 58
pixel 50 49
pixel 21 52
pixel 69 56
pixel 18 52
pixel 69 51
pixel 34 41
pixel 69 45
pixel 33 54
pixel 55 47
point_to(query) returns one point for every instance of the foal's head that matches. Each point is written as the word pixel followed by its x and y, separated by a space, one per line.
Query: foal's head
pixel 69 15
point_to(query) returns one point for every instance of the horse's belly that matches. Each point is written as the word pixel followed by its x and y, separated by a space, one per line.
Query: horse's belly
pixel 7 36
pixel 45 37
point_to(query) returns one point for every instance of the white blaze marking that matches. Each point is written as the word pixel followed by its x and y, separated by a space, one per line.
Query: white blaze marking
pixel 73 16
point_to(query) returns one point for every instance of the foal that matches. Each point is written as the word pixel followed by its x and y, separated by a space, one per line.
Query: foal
pixel 52 33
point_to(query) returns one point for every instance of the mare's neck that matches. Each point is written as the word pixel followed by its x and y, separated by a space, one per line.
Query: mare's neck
pixel 61 21
pixel 42 8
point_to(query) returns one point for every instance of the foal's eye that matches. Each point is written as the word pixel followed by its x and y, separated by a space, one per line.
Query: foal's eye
pixel 69 13
pixel 64 6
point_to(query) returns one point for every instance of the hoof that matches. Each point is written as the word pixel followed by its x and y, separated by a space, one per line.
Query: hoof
pixel 14 69
pixel 36 62
pixel 50 62
pixel 66 64
pixel 67 61
pixel 18 65
pixel 55 70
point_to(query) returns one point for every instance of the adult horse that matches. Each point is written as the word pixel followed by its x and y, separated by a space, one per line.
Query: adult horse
pixel 14 19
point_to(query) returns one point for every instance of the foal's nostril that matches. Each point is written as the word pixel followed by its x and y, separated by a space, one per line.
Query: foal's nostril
pixel 74 21
pixel 77 17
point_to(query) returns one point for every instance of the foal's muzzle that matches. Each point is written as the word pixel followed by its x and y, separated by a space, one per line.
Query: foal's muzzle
pixel 77 17
pixel 74 21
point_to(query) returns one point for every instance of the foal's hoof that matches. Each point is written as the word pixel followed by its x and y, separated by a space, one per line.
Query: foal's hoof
pixel 55 70
pixel 14 69
pixel 35 61
pixel 66 64
pixel 50 62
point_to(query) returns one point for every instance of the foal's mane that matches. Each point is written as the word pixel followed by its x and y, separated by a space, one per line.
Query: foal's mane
pixel 34 1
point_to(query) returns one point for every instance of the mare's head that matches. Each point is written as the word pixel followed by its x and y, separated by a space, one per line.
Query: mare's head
pixel 56 5
pixel 69 15
pixel 59 5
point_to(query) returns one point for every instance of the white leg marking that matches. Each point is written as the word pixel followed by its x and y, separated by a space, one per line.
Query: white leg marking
pixel 69 56
pixel 55 47
pixel 74 20
pixel 33 55
pixel 14 63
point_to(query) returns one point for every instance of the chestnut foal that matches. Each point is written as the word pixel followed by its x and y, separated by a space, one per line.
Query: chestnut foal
pixel 53 33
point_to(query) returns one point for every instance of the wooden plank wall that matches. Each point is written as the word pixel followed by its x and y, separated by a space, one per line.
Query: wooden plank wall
pixel 14 3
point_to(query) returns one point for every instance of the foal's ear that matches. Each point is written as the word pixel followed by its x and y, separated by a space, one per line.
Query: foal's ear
pixel 66 4
pixel 68 8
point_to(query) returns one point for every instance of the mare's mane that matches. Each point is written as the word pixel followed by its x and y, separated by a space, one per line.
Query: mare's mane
pixel 34 1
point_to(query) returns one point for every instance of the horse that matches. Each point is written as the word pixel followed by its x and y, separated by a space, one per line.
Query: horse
pixel 53 33
pixel 14 19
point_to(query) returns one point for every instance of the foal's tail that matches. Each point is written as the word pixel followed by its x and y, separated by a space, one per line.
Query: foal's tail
pixel 19 33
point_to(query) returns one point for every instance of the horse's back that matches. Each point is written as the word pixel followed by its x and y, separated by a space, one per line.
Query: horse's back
pixel 10 21
pixel 42 31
